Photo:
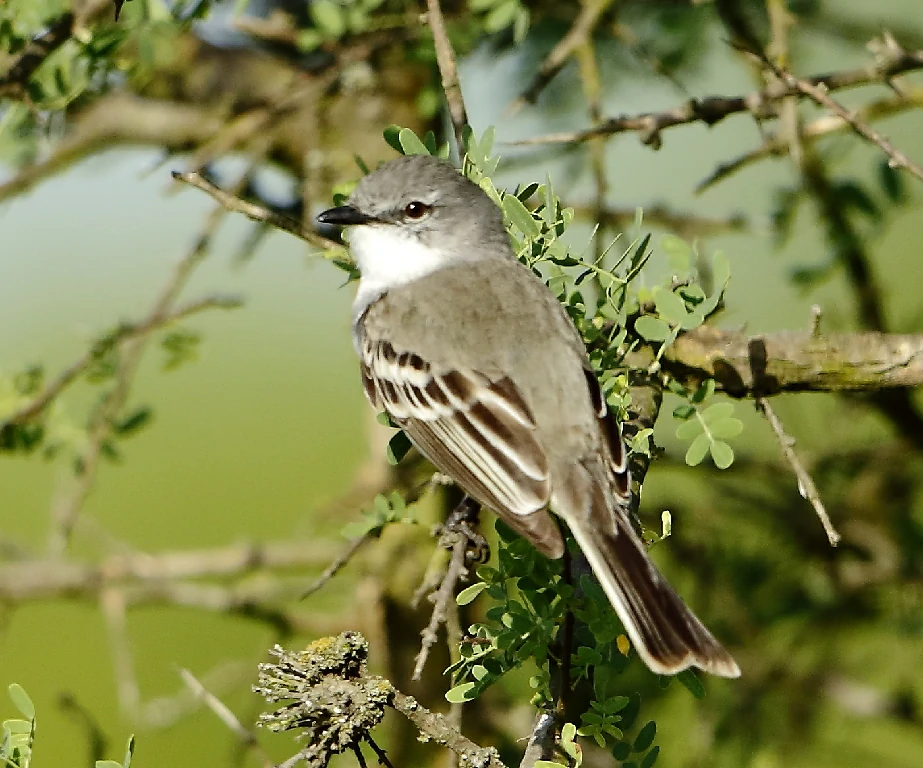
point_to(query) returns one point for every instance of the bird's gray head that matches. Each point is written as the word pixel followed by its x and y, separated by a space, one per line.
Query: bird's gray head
pixel 413 216
pixel 426 199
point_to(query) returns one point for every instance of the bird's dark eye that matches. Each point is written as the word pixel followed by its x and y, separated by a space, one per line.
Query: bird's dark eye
pixel 416 210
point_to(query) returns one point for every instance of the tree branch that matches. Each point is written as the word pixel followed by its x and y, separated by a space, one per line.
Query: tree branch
pixel 46 579
pixel 445 58
pixel 893 61
pixel 746 365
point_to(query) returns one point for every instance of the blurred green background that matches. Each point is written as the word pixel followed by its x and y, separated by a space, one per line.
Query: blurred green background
pixel 250 440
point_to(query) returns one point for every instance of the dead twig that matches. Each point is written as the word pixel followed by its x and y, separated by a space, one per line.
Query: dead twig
pixel 806 486
pixel 442 598
pixel 246 736
pixel 331 570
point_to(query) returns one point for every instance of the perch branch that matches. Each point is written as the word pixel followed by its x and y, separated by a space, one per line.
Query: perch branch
pixel 794 361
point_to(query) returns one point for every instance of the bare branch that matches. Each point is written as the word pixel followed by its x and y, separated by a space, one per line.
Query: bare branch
pixel 444 595
pixel 225 715
pixel 123 332
pixel 52 579
pixel 331 570
pixel 823 126
pixel 445 58
pixel 818 93
pixel 805 483
pixel 894 61
pixel 579 34
pixel 256 212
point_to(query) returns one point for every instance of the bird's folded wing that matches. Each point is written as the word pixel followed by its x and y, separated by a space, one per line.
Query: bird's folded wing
pixel 477 429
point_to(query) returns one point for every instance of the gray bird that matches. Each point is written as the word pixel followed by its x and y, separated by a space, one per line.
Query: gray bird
pixel 476 360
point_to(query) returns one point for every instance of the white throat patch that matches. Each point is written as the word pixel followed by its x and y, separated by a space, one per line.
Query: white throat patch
pixel 387 257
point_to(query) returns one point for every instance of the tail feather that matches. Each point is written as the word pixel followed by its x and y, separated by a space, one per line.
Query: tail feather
pixel 666 634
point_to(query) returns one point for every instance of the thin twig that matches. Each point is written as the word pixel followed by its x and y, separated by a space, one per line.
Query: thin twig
pixel 114 607
pixel 256 212
pixel 579 34
pixel 331 570
pixel 444 595
pixel 818 93
pixel 805 483
pixel 445 58
pixel 66 509
pixel 123 332
pixel 763 103
pixel 246 736
pixel 827 125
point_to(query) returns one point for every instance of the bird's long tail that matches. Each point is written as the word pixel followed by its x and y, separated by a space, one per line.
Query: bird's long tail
pixel 666 634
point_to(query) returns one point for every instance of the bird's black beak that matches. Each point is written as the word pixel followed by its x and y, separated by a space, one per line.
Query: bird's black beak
pixel 344 215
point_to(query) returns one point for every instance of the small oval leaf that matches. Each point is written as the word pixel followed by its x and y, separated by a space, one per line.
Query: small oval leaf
pixel 21 700
pixel 652 328
pixel 697 450
pixel 460 693
pixel 722 454
pixel 469 593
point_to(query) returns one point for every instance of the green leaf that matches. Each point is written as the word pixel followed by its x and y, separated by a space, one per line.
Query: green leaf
pixel 717 412
pixel 705 391
pixel 652 328
pixel 328 16
pixel 548 764
pixel 501 16
pixel 670 307
pixel 726 428
pixel 129 752
pixel 392 135
pixel 645 737
pixel 18 726
pixel 722 454
pixel 308 39
pixel 689 429
pixel 469 593
pixel 460 693
pixel 650 758
pixel 697 450
pixel 398 446
pixel 892 182
pixel 135 421
pixel 689 678
pixel 520 217
pixel 108 764
pixel 411 143
pixel 684 411
pixel 21 700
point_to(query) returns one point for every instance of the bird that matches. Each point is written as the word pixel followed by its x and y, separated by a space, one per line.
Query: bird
pixel 475 359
